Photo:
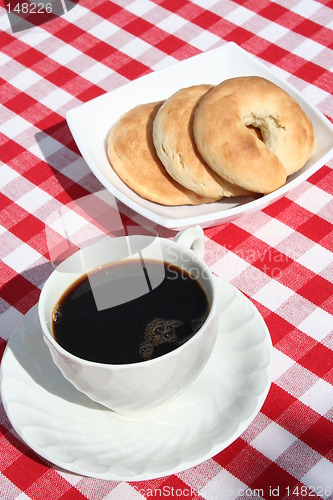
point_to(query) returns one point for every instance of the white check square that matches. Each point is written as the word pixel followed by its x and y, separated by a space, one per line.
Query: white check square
pixel 306 8
pixel 123 490
pixel 206 4
pixel 229 267
pixel 319 397
pixel 33 199
pixel 7 175
pixel 205 41
pixel 65 54
pixel 273 32
pixel 15 126
pixel 140 7
pixel 25 79
pixel 135 48
pixel 273 232
pixel 172 23
pixel 222 482
pixel 239 16
pixel 317 325
pixel 273 295
pixel 103 30
pixel 314 199
pixel 273 441
pixel 96 73
pixel 56 99
pixel 319 479
pixel 281 364
pixel 316 259
pixel 22 258
pixel 308 47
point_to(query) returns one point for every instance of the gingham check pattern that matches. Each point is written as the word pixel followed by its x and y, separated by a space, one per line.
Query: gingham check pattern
pixel 281 257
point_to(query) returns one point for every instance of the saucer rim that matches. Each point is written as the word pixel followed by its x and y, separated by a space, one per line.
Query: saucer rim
pixel 182 464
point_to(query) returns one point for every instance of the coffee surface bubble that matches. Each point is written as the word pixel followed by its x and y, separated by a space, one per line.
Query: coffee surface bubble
pixel 164 331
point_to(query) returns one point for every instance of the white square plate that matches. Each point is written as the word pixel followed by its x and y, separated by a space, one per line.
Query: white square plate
pixel 91 122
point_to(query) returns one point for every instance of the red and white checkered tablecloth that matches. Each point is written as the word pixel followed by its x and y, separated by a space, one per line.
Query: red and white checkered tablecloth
pixel 280 257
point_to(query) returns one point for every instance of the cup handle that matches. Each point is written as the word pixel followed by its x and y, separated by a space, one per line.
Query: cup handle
pixel 193 238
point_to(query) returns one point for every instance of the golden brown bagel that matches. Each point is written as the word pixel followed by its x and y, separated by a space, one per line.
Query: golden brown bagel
pixel 175 147
pixel 233 151
pixel 132 155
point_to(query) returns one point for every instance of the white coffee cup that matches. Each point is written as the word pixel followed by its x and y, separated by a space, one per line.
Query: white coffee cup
pixel 134 389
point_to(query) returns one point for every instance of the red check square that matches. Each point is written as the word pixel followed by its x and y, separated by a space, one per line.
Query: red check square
pixel 25 470
pixel 317 290
pixel 274 482
pixel 315 228
pixel 318 360
pixel 277 402
pixel 278 327
pixel 318 436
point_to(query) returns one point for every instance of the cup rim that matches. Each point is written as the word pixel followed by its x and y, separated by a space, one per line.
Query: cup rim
pixel 115 366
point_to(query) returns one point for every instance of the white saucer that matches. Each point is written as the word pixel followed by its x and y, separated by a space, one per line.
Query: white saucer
pixel 69 430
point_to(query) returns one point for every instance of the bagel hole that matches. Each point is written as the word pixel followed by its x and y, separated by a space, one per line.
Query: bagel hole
pixel 256 131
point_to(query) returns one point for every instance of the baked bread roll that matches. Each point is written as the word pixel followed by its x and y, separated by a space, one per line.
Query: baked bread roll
pixel 175 146
pixel 132 155
pixel 223 138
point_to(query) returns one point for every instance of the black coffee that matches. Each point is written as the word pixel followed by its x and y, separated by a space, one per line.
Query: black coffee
pixel 146 327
